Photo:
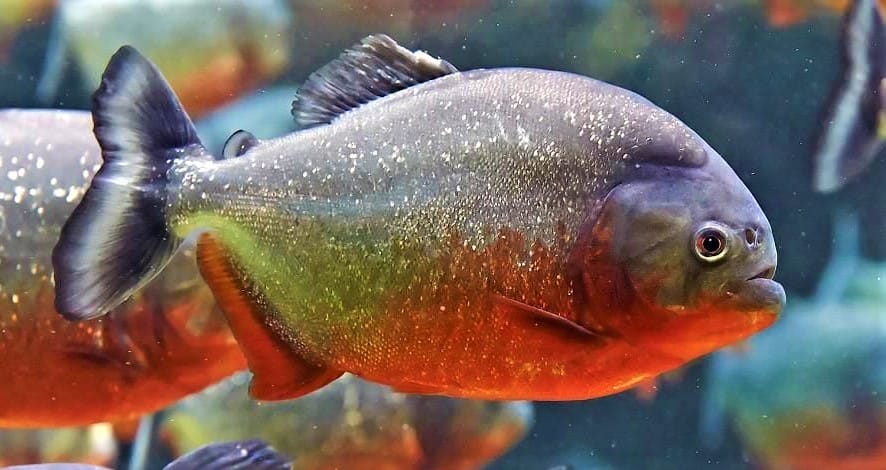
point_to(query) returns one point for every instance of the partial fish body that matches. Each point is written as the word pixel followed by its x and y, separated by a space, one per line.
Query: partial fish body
pixel 152 350
pixel 467 434
pixel 353 424
pixel 785 13
pixel 853 127
pixel 239 45
pixel 17 15
pixel 811 400
pixel 94 445
pixel 243 455
pixel 499 234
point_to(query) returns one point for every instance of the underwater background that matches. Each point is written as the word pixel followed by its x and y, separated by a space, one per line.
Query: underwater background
pixel 750 76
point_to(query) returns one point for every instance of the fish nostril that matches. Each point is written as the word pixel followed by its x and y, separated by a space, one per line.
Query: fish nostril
pixel 750 235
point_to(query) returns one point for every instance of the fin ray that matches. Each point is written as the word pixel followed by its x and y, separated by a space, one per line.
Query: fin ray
pixel 415 388
pixel 374 68
pixel 117 238
pixel 244 455
pixel 542 321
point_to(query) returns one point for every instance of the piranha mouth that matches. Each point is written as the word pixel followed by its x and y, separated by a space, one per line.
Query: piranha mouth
pixel 768 273
pixel 759 293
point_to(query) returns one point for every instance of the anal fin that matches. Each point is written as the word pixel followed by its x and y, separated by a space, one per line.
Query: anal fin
pixel 278 372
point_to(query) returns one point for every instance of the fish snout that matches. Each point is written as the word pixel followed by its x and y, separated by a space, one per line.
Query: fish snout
pixel 762 254
pixel 759 244
pixel 754 237
pixel 755 287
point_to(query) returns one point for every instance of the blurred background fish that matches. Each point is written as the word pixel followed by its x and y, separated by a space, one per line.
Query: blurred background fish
pixel 265 109
pixel 93 445
pixel 810 393
pixel 236 46
pixel 157 348
pixel 785 13
pixel 674 16
pixel 853 125
pixel 237 455
pixel 353 424
pixel 18 14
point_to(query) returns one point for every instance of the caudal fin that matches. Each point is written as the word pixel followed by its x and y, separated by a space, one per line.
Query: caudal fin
pixel 117 238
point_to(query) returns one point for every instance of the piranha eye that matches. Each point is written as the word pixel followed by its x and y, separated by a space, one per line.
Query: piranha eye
pixel 710 244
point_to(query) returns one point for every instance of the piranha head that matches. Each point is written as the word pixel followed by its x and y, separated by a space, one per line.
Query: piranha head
pixel 690 259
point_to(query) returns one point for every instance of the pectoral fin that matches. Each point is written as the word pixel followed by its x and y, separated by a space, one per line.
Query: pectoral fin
pixel 278 372
pixel 538 322
pixel 114 348
pixel 413 388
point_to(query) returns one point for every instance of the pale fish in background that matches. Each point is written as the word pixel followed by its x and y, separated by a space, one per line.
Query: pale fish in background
pixel 852 128
pixel 156 348
pixel 93 444
pixel 353 424
pixel 786 13
pixel 810 393
pixel 673 17
pixel 236 45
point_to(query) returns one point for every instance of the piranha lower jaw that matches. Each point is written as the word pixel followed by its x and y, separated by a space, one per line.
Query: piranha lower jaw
pixel 703 331
pixel 742 308
pixel 745 307
pixel 758 293
pixel 706 323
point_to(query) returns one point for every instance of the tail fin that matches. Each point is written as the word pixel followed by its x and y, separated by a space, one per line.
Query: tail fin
pixel 117 238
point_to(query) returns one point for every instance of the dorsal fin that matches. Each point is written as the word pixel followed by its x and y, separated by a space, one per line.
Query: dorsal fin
pixel 238 143
pixel 374 68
